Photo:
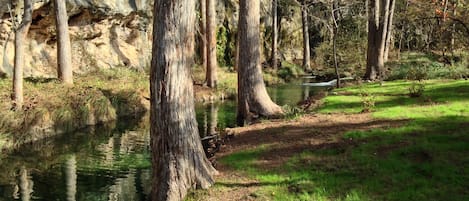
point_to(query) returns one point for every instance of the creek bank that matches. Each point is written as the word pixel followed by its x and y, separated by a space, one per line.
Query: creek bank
pixel 51 108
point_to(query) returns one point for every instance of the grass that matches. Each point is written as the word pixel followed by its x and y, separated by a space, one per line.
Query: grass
pixel 427 158
pixel 52 108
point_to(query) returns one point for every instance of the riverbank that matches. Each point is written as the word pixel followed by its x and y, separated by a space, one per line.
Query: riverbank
pixel 51 108
pixel 360 145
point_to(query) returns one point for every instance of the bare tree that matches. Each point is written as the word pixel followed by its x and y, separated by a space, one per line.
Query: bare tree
pixel 178 159
pixel 20 39
pixel 252 94
pixel 387 45
pixel 203 33
pixel 306 47
pixel 64 49
pixel 274 34
pixel 211 44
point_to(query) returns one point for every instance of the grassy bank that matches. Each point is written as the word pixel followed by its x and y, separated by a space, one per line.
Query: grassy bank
pixel 52 108
pixel 406 148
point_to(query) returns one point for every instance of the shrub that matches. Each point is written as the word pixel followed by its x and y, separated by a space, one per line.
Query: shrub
pixel 416 89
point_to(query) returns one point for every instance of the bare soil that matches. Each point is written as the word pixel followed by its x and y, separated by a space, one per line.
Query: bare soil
pixel 285 139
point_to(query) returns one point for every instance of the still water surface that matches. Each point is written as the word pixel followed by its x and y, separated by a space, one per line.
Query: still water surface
pixel 109 162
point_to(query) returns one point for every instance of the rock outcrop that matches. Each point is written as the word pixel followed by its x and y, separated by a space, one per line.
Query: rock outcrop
pixel 104 34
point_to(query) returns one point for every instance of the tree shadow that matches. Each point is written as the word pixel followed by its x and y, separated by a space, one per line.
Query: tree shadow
pixel 424 159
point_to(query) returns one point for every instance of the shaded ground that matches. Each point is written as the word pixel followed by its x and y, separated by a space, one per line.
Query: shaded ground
pixel 284 140
pixel 407 148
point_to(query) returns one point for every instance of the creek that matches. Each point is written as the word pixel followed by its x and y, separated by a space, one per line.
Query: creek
pixel 107 162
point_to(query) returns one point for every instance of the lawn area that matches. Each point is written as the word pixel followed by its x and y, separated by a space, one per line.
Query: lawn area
pixel 404 149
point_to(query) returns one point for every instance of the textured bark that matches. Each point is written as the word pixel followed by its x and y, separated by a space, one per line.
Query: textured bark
pixel 203 33
pixel 389 34
pixel 378 11
pixel 211 75
pixel 252 94
pixel 178 159
pixel 306 48
pixel 274 34
pixel 64 49
pixel 20 39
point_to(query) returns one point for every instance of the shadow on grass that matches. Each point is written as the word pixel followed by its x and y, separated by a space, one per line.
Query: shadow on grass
pixel 426 159
pixel 40 80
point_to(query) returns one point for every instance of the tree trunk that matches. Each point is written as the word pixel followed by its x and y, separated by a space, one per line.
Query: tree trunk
pixel 306 49
pixel 252 94
pixel 211 44
pixel 377 28
pixel 274 35
pixel 178 159
pixel 388 45
pixel 203 33
pixel 64 49
pixel 20 39
pixel 334 43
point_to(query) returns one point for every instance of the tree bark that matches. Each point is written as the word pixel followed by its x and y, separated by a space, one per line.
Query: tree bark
pixel 334 42
pixel 274 34
pixel 64 49
pixel 203 33
pixel 178 159
pixel 388 45
pixel 306 48
pixel 20 39
pixel 211 44
pixel 378 11
pixel 252 94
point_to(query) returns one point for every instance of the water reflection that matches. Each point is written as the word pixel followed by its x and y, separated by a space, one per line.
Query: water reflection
pixel 109 162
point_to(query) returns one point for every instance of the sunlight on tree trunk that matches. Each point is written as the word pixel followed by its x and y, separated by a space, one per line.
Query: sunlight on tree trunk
pixel 20 40
pixel 389 35
pixel 252 94
pixel 274 34
pixel 211 44
pixel 203 33
pixel 64 49
pixel 378 11
pixel 178 159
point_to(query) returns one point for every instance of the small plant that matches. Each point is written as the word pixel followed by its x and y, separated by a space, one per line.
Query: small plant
pixel 291 112
pixel 368 101
pixel 416 89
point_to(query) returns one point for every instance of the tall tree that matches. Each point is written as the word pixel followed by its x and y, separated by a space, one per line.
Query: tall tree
pixel 64 49
pixel 378 11
pixel 211 44
pixel 389 34
pixel 203 33
pixel 252 94
pixel 178 159
pixel 20 39
pixel 335 29
pixel 306 47
pixel 274 34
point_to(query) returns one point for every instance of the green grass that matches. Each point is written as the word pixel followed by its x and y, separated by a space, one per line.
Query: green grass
pixel 427 158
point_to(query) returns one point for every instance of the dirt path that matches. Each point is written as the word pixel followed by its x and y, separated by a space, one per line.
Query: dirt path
pixel 285 139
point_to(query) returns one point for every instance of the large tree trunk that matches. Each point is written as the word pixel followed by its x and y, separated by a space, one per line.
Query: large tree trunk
pixel 274 35
pixel 211 44
pixel 178 159
pixel 64 49
pixel 388 45
pixel 378 11
pixel 306 49
pixel 252 94
pixel 20 39
pixel 203 33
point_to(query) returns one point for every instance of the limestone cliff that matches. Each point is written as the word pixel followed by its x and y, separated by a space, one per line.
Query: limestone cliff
pixel 104 34
pixel 111 33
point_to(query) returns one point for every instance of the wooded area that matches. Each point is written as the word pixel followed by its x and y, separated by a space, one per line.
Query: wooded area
pixel 390 70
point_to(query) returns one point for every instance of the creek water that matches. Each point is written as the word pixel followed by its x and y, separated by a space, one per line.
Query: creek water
pixel 109 162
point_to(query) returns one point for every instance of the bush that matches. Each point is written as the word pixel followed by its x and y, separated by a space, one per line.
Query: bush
pixel 416 89
pixel 368 100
